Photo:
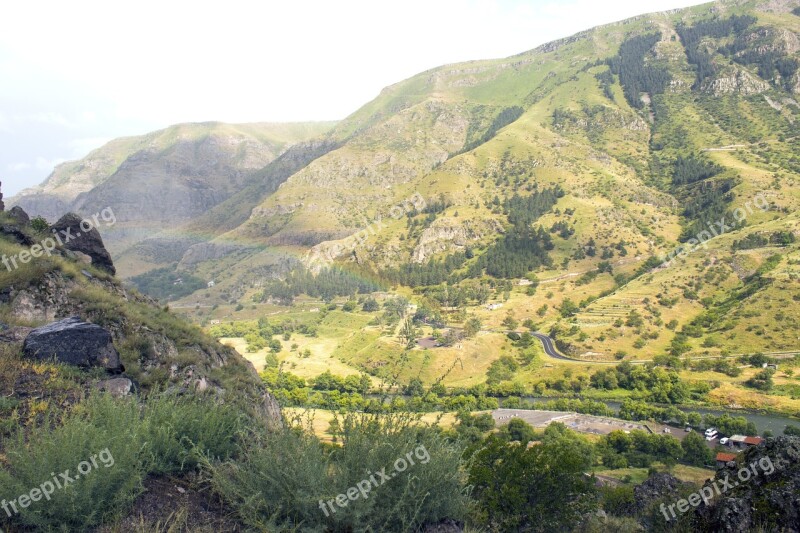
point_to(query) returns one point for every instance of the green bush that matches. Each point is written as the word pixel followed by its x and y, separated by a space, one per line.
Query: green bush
pixel 285 478
pixel 103 428
pixel 177 431
pixel 123 442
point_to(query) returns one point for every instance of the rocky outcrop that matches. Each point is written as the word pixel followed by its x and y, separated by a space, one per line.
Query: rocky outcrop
pixel 655 488
pixel 75 342
pixel 451 234
pixel 765 491
pixel 19 215
pixel 79 235
pixel 16 234
pixel 738 82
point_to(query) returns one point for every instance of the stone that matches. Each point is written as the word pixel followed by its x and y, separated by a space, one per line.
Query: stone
pixel 116 387
pixel 20 215
pixel 9 230
pixel 78 239
pixel 75 342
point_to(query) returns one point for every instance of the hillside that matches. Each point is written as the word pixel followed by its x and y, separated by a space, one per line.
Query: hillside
pixel 162 179
pixel 630 190
pixel 551 292
pixel 649 139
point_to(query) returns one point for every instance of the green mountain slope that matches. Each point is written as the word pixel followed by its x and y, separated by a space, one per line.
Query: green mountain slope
pixel 654 128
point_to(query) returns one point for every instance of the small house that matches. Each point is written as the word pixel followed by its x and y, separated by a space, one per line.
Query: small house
pixel 725 458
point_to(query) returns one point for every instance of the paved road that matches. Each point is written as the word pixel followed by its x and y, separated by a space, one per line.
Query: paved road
pixel 550 348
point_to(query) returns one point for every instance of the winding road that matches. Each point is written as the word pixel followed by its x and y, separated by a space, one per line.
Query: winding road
pixel 550 347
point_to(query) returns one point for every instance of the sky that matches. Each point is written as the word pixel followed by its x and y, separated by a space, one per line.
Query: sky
pixel 75 74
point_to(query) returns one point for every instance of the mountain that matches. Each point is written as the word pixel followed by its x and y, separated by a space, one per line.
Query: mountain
pixel 630 192
pixel 163 178
pixel 585 162
pixel 653 128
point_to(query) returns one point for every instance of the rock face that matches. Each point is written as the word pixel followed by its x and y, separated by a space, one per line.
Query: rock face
pixel 74 342
pixel 768 500
pixel 77 239
pixel 654 488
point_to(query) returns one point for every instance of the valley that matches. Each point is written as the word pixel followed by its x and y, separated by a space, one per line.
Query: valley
pixel 570 277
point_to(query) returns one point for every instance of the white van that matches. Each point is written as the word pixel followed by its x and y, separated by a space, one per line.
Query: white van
pixel 711 431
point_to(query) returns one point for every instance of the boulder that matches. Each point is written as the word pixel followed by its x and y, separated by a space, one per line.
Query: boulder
pixel 116 387
pixel 16 234
pixel 74 342
pixel 19 215
pixel 78 239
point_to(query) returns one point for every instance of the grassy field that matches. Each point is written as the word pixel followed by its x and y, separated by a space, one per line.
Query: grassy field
pixel 319 420
pixel 634 476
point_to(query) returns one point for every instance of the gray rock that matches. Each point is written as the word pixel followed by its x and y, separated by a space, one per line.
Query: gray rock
pixel 9 230
pixel 657 487
pixel 116 387
pixel 74 342
pixel 768 500
pixel 19 215
pixel 77 239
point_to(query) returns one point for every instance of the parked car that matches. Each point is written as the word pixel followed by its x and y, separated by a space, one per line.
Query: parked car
pixel 688 429
pixel 711 431
pixel 724 440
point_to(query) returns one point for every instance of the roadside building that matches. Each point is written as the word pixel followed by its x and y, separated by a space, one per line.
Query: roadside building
pixel 725 458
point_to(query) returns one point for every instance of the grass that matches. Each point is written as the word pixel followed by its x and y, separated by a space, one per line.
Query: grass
pixel 319 420
pixel 113 444
pixel 635 476
pixel 279 481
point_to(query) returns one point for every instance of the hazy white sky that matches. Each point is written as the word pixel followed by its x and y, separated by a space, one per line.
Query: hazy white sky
pixel 74 74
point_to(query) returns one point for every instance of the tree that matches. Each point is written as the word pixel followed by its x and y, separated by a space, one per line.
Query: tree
pixel 370 305
pixel 275 345
pixel 539 488
pixel 415 387
pixel 791 430
pixel 510 322
pixel 762 380
pixel 408 333
pixel 519 430
pixel 39 224
pixel 694 419
pixel 472 326
pixel 695 451
pixel 568 308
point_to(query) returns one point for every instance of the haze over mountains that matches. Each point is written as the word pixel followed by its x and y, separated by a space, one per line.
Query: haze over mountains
pixel 651 129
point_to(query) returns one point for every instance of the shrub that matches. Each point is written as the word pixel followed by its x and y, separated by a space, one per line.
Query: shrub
pixel 101 427
pixel 177 431
pixel 123 440
pixel 285 478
